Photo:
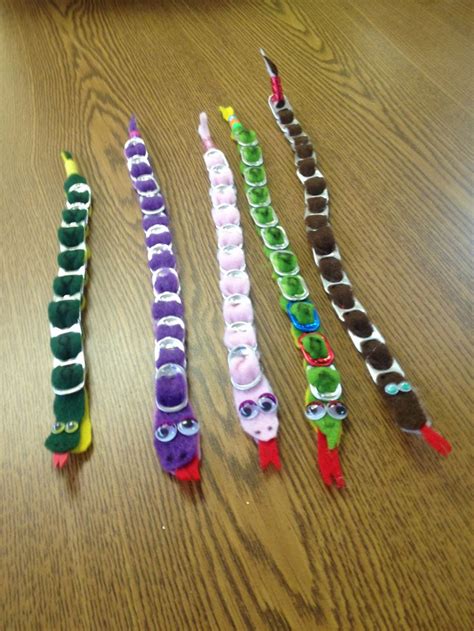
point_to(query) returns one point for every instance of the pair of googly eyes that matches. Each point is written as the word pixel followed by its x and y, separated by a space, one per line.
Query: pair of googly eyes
pixel 70 427
pixel 316 410
pixel 166 433
pixel 266 403
pixel 394 388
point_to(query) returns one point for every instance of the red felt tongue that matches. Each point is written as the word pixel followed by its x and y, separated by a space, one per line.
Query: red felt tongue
pixel 329 465
pixel 59 460
pixel 189 472
pixel 268 452
pixel 435 440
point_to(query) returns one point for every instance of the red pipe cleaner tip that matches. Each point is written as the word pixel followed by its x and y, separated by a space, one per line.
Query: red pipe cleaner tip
pixel 268 454
pixel 189 472
pixel 329 465
pixel 435 440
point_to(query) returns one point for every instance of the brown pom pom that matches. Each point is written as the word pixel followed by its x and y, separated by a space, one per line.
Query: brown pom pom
pixel 377 354
pixel 301 140
pixel 294 129
pixel 316 221
pixel 316 204
pixel 405 407
pixel 358 323
pixel 315 186
pixel 322 240
pixel 331 269
pixel 304 150
pixel 342 296
pixel 307 167
pixel 286 116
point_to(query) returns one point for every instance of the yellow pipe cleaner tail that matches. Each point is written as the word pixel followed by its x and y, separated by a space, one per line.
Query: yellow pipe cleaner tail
pixel 69 163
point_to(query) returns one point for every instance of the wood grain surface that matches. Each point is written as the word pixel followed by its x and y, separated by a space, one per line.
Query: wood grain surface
pixel 112 543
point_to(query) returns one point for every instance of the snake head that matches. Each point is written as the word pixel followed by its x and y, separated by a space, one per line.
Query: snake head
pixel 258 411
pixel 327 417
pixel 176 440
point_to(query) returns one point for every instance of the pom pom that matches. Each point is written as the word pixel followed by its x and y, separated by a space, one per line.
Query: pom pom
pixel 358 323
pixel 67 377
pixel 377 354
pixel 316 204
pixel 342 296
pixel 315 347
pixel 71 237
pixel 286 116
pixel 238 284
pixel 64 313
pixel 162 308
pixel 74 216
pixel 160 237
pixel 171 356
pixel 230 259
pixel 244 369
pixel 331 269
pixel 303 312
pixel 162 259
pixel 314 222
pixel 166 281
pixel 322 240
pixel 304 150
pixel 152 203
pixel 236 337
pixel 149 221
pixel 70 261
pixel 66 346
pixel 225 215
pixel 140 168
pixel 67 285
pixel 325 380
pixel 307 167
pixel 171 390
pixel 238 311
pixel 294 129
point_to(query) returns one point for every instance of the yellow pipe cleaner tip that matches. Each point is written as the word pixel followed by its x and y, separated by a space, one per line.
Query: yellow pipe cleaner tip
pixel 226 112
pixel 69 163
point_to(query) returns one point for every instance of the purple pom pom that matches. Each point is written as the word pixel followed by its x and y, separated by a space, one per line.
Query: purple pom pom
pixel 171 391
pixel 152 203
pixel 171 356
pixel 146 186
pixel 140 168
pixel 166 282
pixel 163 259
pixel 165 330
pixel 135 149
pixel 162 237
pixel 162 308
pixel 154 220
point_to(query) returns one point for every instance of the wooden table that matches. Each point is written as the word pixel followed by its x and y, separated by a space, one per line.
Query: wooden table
pixel 111 542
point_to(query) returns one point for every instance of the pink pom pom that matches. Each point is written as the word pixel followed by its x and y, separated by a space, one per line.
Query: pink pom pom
pixel 237 337
pixel 223 195
pixel 221 175
pixel 235 284
pixel 231 258
pixel 230 235
pixel 238 310
pixel 214 158
pixel 225 215
pixel 244 370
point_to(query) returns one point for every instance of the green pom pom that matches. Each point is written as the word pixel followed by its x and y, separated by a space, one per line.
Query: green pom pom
pixel 251 155
pixel 291 285
pixel 244 136
pixel 314 345
pixel 284 262
pixel 74 216
pixel 69 407
pixel 71 237
pixel 274 236
pixel 325 380
pixel 71 261
pixel 67 285
pixel 263 215
pixel 258 196
pixel 75 178
pixel 254 175
pixel 303 312
pixel 66 346
pixel 64 313
pixel 74 197
pixel 67 377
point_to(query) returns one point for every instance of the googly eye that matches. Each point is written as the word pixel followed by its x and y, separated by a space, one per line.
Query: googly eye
pixel 165 433
pixel 71 427
pixel 337 410
pixel 267 402
pixel 391 389
pixel 248 410
pixel 405 386
pixel 58 428
pixel 315 411
pixel 189 427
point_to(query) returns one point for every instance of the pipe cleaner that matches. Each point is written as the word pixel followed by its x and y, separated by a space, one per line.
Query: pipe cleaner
pixel 72 430
pixel 398 393
pixel 324 407
pixel 176 434
pixel 254 399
